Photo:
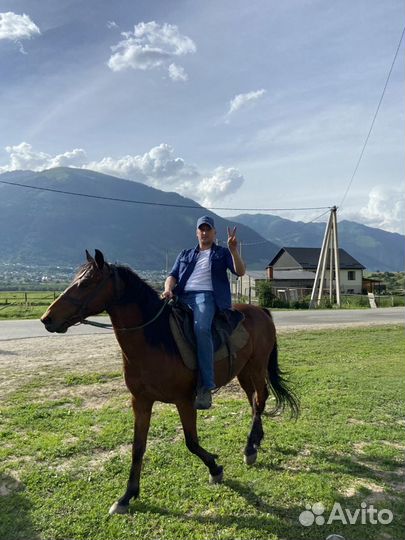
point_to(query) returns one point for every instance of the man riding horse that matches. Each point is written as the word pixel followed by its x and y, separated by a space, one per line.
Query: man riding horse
pixel 153 367
pixel 199 278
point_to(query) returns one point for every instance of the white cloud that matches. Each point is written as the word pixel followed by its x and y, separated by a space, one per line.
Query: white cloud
pixel 152 46
pixel 23 157
pixel 164 36
pixel 16 27
pixel 221 183
pixel 112 24
pixel 241 100
pixel 21 47
pixel 177 73
pixel 384 209
pixel 73 158
pixel 159 168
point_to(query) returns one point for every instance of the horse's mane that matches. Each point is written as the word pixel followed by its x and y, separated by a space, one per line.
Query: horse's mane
pixel 137 291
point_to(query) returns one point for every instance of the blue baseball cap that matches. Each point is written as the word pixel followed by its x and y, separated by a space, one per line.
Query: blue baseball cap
pixel 205 220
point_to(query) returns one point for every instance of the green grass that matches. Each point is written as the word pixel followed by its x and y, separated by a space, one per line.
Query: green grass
pixel 90 378
pixel 65 460
pixel 25 305
pixel 390 301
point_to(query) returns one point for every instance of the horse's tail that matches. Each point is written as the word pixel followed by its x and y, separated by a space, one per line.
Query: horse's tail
pixel 278 384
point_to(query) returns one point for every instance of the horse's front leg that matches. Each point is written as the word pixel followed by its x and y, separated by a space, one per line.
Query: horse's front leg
pixel 188 416
pixel 142 410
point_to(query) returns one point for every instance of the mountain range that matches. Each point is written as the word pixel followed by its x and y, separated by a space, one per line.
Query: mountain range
pixel 148 227
pixel 41 226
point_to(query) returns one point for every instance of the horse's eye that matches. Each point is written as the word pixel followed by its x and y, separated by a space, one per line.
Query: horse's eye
pixel 83 283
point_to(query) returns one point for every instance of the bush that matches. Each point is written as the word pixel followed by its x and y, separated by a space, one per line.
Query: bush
pixel 325 303
pixel 278 303
pixel 300 304
pixel 267 298
pixel 265 294
pixel 355 301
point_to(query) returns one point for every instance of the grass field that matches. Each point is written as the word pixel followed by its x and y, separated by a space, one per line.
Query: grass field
pixel 66 434
pixel 25 305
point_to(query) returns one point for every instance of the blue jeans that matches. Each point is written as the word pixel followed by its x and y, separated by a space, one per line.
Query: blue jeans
pixel 203 305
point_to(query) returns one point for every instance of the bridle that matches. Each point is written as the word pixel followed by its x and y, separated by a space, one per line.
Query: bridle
pixel 116 297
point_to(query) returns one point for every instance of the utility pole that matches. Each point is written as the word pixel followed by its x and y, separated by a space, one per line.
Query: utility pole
pixel 336 256
pixel 329 246
pixel 241 277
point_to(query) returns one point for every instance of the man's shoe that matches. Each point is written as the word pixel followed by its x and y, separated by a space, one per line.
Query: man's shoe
pixel 203 399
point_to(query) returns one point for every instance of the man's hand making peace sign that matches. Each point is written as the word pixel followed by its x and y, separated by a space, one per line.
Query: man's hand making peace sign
pixel 232 241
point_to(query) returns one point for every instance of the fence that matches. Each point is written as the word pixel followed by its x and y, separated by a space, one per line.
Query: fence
pixel 288 297
pixel 30 303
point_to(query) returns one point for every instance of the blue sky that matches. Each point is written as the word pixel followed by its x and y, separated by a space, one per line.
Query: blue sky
pixel 235 104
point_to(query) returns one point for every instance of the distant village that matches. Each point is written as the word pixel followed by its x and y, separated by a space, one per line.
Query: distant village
pixel 19 277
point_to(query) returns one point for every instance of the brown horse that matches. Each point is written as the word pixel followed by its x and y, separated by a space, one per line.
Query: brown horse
pixel 153 368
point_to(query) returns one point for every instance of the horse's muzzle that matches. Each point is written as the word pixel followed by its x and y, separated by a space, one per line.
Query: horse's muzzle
pixel 51 326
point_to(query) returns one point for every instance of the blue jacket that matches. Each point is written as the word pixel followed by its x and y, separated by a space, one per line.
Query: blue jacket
pixel 220 259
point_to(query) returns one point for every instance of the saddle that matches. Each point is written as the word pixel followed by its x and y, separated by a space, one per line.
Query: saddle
pixel 228 332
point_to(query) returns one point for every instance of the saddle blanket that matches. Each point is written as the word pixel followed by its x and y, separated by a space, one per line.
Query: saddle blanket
pixel 237 340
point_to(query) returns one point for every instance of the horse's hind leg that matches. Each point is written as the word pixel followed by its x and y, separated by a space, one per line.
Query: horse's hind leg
pixel 188 416
pixel 255 387
pixel 142 411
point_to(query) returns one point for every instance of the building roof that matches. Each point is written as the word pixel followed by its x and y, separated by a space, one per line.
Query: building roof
pixel 257 274
pixel 307 258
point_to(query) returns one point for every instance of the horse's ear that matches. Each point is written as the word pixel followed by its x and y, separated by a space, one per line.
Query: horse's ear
pixel 99 259
pixel 89 257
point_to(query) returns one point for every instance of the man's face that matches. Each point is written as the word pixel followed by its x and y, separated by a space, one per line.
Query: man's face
pixel 206 235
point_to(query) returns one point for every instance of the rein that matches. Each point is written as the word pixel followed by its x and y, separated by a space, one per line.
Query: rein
pixel 139 327
pixel 82 307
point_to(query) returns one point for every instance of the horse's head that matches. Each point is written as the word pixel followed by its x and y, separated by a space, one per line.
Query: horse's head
pixel 88 294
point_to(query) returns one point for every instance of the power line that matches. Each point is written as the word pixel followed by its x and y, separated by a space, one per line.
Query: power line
pixel 256 243
pixel 318 217
pixel 374 118
pixel 249 243
pixel 131 201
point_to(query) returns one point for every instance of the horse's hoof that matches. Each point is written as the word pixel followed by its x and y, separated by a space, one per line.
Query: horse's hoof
pixel 250 459
pixel 217 479
pixel 118 508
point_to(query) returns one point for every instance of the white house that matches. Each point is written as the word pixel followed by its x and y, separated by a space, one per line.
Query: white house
pixel 296 267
